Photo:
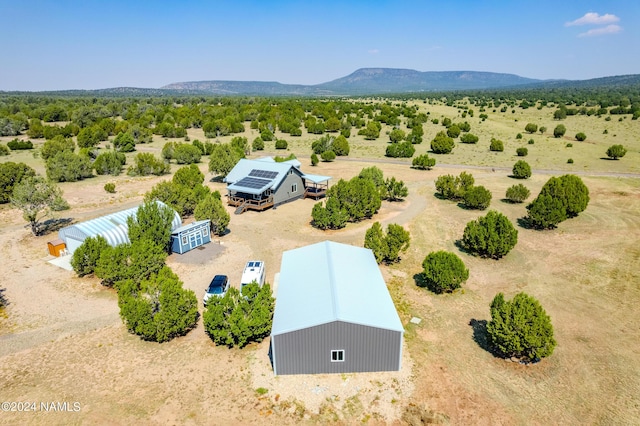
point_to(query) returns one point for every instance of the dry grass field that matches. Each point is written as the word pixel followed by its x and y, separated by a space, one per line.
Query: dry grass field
pixel 61 339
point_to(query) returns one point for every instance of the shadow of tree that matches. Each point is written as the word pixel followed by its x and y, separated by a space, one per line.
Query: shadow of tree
pixel 462 248
pixel 439 196
pixel 420 280
pixel 481 336
pixel 217 179
pixel 53 225
pixel 3 300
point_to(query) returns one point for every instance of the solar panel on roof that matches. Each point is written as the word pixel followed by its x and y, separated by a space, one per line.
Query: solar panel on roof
pixel 253 183
pixel 263 174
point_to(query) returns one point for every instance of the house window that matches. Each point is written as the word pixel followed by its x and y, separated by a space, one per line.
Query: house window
pixel 184 240
pixel 294 187
pixel 337 355
pixel 205 231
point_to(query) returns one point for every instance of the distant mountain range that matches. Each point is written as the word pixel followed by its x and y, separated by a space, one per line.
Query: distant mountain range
pixel 365 81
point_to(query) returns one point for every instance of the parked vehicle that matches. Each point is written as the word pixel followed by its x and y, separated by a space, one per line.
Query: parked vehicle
pixel 253 271
pixel 217 288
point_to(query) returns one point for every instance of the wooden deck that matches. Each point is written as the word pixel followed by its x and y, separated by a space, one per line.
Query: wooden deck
pixel 244 204
pixel 315 192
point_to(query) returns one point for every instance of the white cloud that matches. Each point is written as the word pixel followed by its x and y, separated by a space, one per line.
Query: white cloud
pixel 609 29
pixel 593 18
pixel 374 51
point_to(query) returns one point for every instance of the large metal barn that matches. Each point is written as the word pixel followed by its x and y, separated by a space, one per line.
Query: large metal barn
pixel 334 313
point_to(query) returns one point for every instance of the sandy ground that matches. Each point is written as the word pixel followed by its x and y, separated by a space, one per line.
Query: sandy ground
pixel 62 340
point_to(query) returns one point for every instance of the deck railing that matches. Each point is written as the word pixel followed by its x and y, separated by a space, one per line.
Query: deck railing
pixel 250 203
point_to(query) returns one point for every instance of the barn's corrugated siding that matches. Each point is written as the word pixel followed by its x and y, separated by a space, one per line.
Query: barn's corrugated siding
pixel 308 351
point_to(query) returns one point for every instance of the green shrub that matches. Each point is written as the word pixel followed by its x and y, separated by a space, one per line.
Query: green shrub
pixel 340 146
pixel 442 144
pixel 531 142
pixel 123 142
pixel 258 144
pixel 531 128
pixel 491 236
pixel 443 271
pixel 145 163
pixel 86 256
pixel 453 131
pixel 559 199
pixel 211 207
pixel 386 247
pixel 559 131
pixel 400 150
pixel 281 144
pixel 521 170
pixel 520 328
pixel 328 156
pixel 58 144
pixel 519 136
pixel 496 145
pixel 66 166
pixel 396 135
pixel 185 153
pixel 12 174
pixel 570 161
pixel 200 146
pixel 616 151
pixel 238 319
pixel 16 145
pixel 517 193
pixel 454 188
pixel 4 150
pixel 110 187
pixel 314 159
pixel 569 145
pixel 581 137
pixel 522 152
pixel 158 308
pixel 423 162
pixel 469 138
pixel 135 261
pixel 477 197
pixel 109 163
pixel 353 200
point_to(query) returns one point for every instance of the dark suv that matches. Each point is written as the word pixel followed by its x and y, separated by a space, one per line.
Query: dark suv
pixel 217 288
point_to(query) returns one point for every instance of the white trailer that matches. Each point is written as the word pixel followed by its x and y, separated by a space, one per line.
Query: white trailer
pixel 253 271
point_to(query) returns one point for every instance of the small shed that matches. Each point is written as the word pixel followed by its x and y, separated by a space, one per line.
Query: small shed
pixel 333 313
pixel 190 236
pixel 56 247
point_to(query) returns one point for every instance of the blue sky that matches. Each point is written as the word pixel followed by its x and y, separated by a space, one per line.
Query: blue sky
pixel 55 45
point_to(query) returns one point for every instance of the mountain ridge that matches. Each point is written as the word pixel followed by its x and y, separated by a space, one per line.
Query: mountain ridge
pixel 363 81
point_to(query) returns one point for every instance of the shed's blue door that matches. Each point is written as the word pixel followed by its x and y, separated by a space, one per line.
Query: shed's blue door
pixel 195 239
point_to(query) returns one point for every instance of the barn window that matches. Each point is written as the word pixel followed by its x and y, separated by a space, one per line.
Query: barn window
pixel 337 355
pixel 184 240
pixel 205 231
pixel 294 187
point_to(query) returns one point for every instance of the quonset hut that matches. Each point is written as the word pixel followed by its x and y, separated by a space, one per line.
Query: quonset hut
pixel 112 227
pixel 334 313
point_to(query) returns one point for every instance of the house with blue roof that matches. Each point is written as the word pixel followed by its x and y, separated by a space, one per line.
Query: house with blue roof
pixel 334 313
pixel 264 183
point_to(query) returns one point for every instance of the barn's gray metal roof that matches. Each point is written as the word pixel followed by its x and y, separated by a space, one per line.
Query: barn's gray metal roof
pixel 112 227
pixel 327 282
